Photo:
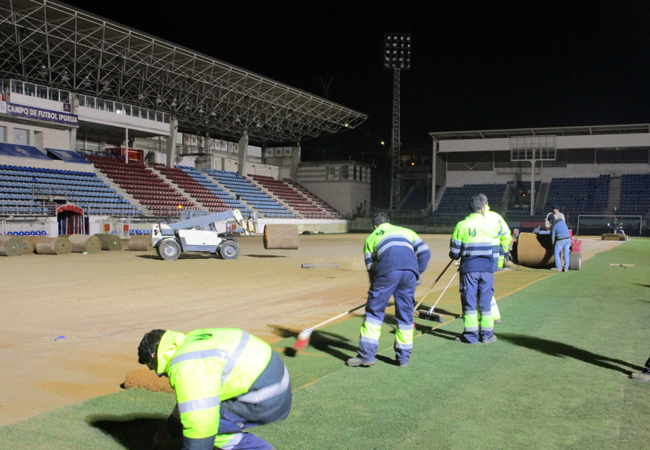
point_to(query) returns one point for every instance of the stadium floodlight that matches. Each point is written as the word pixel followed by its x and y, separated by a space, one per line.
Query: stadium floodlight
pixel 159 101
pixel 397 57
pixel 397 51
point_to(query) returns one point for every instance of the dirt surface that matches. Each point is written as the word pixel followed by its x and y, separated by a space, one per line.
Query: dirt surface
pixel 71 324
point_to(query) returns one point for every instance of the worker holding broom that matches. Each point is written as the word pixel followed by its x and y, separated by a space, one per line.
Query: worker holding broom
pixel 395 258
pixel 226 381
pixel 472 242
pixel 501 244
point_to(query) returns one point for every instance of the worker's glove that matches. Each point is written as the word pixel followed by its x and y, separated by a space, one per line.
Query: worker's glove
pixel 507 257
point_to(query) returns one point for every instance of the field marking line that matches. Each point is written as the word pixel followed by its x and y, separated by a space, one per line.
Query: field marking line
pixel 523 287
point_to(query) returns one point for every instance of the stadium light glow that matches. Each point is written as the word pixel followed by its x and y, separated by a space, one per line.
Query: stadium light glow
pixel 397 51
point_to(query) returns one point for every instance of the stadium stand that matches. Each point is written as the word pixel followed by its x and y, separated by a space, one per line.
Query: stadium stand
pixel 314 198
pixel 416 200
pixel 635 194
pixel 23 189
pixel 194 187
pixel 149 189
pixel 456 199
pixel 247 192
pixel 579 195
pixel 297 201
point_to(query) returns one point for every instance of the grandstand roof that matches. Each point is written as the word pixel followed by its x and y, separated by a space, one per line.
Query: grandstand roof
pixel 555 131
pixel 51 43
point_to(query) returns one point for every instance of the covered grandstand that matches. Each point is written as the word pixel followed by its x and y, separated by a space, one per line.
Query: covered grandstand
pixel 162 126
pixel 595 172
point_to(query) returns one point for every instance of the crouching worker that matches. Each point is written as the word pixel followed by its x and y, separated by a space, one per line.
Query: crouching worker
pixel 225 381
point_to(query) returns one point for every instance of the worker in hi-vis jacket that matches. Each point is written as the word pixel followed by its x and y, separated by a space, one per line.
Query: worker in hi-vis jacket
pixel 395 258
pixel 226 381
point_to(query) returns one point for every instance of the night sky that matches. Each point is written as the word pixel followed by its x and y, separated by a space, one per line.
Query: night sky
pixel 475 65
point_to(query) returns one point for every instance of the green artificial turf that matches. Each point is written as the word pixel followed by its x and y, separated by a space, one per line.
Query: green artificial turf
pixel 557 378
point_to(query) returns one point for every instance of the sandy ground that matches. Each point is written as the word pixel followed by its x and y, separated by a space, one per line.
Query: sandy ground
pixel 71 324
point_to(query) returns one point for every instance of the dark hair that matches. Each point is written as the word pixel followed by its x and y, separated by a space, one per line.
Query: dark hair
pixel 149 345
pixel 476 203
pixel 380 218
pixel 557 207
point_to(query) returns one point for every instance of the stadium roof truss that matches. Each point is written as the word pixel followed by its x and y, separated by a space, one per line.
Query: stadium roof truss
pixel 47 42
pixel 555 131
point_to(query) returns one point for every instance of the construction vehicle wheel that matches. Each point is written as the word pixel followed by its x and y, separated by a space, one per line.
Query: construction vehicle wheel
pixel 169 250
pixel 229 250
pixel 576 261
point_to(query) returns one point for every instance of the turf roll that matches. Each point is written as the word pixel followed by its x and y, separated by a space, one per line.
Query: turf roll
pixel 10 246
pixel 109 241
pixel 535 250
pixel 142 378
pixel 82 243
pixel 53 246
pixel 140 243
pixel 281 237
pixel 28 245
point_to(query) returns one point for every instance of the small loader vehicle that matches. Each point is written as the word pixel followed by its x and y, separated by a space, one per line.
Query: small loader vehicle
pixel 199 234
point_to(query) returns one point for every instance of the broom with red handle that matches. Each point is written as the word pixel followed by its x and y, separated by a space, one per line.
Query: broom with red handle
pixel 305 335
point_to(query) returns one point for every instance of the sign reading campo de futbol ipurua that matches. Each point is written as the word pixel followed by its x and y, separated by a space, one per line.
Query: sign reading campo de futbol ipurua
pixel 39 114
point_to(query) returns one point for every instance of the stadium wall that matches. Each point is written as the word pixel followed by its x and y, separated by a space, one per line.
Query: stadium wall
pixel 50 137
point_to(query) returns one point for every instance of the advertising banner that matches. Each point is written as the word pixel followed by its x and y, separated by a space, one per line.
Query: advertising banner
pixel 39 114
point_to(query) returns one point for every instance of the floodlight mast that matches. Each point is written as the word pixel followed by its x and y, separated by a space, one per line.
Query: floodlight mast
pixel 397 56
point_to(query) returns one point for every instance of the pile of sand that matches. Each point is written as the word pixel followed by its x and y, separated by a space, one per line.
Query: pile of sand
pixel 144 378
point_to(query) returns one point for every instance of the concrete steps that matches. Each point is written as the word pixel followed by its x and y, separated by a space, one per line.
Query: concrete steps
pixel 122 192
pixel 274 197
pixel 614 198
pixel 178 189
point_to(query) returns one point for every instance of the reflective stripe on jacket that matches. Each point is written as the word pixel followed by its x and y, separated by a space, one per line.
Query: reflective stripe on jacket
pixel 472 242
pixel 390 248
pixel 504 239
pixel 208 366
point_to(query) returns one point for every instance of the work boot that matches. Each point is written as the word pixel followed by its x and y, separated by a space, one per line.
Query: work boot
pixel 497 321
pixel 554 269
pixel 357 361
pixel 462 340
pixel 402 363
pixel 641 376
pixel 489 340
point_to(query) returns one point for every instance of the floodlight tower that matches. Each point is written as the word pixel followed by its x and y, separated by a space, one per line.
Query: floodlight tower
pixel 397 56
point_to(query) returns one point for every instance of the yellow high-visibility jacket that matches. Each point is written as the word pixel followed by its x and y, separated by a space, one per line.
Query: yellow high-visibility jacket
pixel 208 366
